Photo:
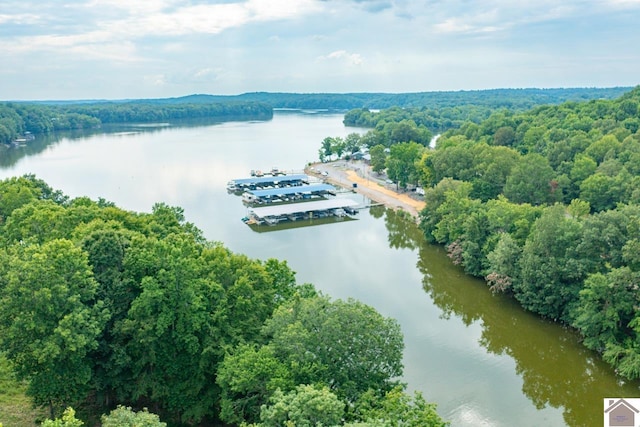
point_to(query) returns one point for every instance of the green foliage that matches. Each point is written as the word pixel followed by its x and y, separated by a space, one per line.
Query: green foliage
pixel 396 408
pixel 126 417
pixel 104 307
pixel 50 320
pixel 247 379
pixel 378 158
pixel 607 308
pixel 402 163
pixel 18 192
pixel 530 181
pixel 499 214
pixel 306 406
pixel 434 197
pixel 16 119
pixel 343 345
pixel 68 419
pixel 551 271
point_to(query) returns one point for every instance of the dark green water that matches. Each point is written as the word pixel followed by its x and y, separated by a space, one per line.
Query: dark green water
pixel 479 356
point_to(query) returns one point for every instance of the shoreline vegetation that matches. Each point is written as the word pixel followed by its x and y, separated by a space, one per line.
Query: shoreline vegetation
pixel 20 120
pixel 543 204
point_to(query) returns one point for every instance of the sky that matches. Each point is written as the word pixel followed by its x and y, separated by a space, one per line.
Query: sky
pixel 117 49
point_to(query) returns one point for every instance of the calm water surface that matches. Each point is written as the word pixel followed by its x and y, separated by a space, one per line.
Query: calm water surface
pixel 483 360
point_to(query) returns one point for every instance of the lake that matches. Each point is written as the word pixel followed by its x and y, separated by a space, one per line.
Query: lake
pixel 482 359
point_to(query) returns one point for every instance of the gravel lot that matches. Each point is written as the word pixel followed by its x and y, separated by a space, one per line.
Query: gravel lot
pixel 345 173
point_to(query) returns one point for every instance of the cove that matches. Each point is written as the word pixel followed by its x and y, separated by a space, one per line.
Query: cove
pixel 481 358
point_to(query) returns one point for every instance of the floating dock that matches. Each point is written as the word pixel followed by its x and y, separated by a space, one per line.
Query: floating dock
pixel 271 215
pixel 288 194
pixel 267 182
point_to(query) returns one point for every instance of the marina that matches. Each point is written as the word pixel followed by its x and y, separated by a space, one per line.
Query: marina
pixel 266 182
pixel 288 194
pixel 271 215
pixel 288 199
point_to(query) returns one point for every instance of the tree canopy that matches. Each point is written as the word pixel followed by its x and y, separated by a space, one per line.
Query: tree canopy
pixel 104 307
pixel 544 204
pixel 19 120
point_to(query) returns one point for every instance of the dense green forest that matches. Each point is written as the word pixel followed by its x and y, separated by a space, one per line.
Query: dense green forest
pixel 109 310
pixel 543 204
pixel 517 99
pixel 18 120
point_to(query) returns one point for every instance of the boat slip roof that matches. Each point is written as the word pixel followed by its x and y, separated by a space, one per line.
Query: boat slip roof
pixel 270 178
pixel 299 189
pixel 293 208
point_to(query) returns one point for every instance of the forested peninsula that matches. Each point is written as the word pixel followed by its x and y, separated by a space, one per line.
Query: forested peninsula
pixel 21 120
pixel 543 204
pixel 107 311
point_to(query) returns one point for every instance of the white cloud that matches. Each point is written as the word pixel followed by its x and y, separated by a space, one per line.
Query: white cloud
pixel 205 72
pixel 155 79
pixel 343 55
pixel 454 25
pixel 19 18
pixel 500 15
pixel 205 18
pixel 623 3
pixel 233 46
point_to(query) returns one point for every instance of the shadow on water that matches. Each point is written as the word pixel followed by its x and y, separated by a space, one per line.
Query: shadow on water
pixel 288 225
pixel 556 369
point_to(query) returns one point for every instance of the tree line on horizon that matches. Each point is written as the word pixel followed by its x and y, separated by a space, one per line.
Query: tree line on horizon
pixel 20 119
pixel 510 98
pixel 543 204
pixel 41 117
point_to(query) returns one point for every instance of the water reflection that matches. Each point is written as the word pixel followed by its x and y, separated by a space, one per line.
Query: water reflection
pixel 9 156
pixel 288 225
pixel 556 370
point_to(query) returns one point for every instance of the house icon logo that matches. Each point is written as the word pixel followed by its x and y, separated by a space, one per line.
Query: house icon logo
pixel 621 412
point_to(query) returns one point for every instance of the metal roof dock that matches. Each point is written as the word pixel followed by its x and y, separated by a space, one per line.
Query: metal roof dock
pixel 291 211
pixel 267 181
pixel 294 192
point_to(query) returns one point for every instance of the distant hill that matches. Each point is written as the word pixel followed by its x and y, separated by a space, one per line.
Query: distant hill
pixel 519 99
pixel 495 98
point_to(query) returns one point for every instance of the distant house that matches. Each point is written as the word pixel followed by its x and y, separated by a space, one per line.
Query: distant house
pixel 621 413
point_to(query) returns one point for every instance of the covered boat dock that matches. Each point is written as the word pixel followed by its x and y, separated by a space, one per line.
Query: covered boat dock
pixel 267 182
pixel 294 211
pixel 287 194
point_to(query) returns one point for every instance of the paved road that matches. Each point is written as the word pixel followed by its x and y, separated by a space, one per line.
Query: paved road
pixel 346 173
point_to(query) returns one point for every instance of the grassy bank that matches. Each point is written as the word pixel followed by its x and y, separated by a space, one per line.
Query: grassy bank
pixel 16 408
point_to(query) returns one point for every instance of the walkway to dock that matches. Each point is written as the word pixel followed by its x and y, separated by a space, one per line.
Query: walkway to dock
pixel 345 174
